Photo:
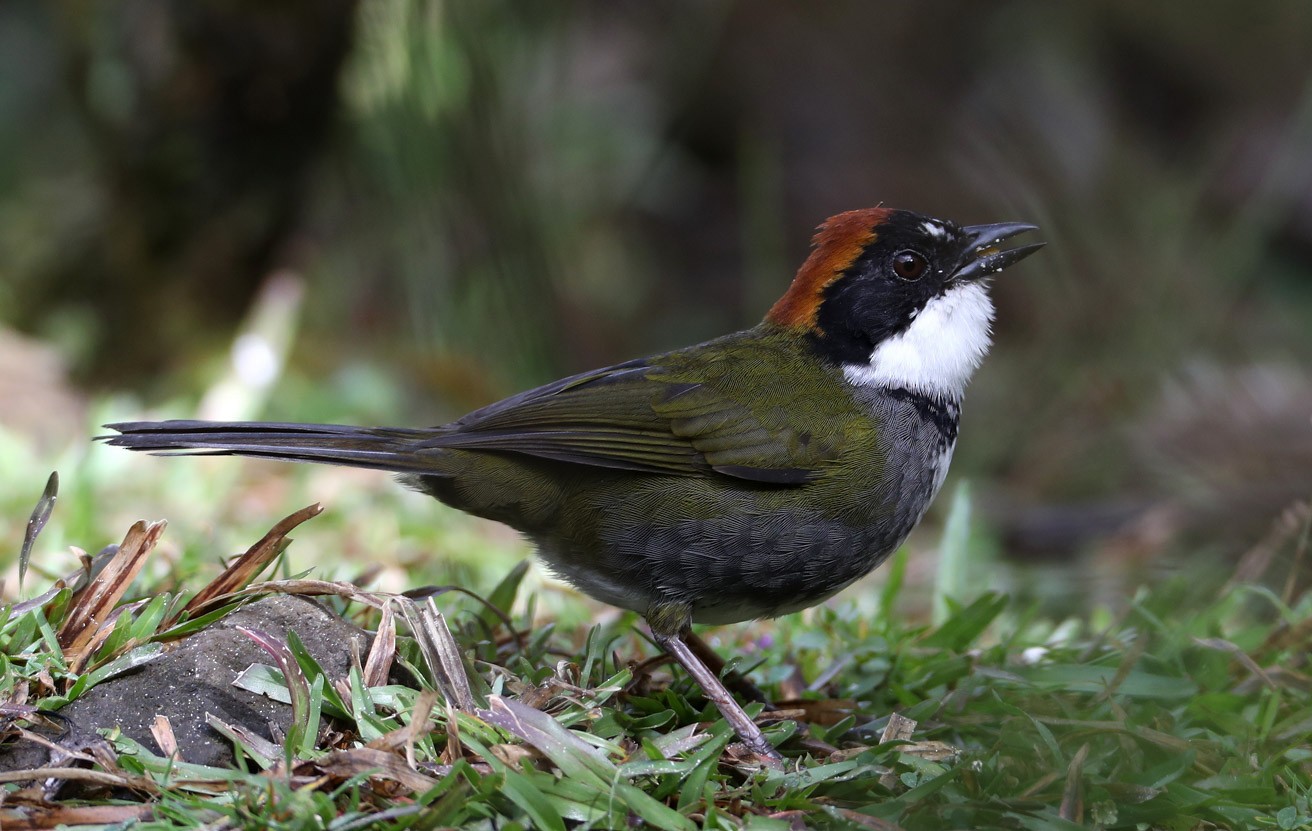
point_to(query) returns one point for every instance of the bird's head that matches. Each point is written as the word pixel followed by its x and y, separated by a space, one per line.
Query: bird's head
pixel 898 299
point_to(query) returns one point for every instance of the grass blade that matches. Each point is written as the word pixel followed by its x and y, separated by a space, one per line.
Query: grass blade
pixel 37 521
pixel 952 580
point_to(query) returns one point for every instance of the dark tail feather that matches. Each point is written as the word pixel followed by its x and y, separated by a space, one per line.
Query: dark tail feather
pixel 379 448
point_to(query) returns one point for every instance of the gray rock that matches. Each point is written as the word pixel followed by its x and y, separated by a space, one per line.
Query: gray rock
pixel 195 677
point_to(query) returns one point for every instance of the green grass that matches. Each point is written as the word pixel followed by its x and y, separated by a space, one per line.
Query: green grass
pixel 1189 707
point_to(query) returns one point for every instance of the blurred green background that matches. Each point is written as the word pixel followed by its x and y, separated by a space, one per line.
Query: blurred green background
pixel 429 205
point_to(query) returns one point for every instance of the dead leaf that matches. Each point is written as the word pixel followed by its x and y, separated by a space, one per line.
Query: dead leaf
pixel 91 607
pixel 239 574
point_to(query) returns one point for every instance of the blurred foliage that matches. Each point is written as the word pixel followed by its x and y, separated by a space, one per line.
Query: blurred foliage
pixel 184 133
pixel 483 195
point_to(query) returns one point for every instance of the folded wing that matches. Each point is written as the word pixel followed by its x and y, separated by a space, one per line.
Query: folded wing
pixel 680 414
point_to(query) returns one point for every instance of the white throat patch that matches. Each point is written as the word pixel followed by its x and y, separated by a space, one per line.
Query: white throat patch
pixel 937 354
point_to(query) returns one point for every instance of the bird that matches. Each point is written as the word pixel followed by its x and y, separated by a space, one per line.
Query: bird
pixel 746 477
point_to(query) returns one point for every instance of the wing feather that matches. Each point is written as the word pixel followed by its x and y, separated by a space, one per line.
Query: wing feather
pixel 684 413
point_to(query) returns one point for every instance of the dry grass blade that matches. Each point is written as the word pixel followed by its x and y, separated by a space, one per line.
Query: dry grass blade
pixel 239 574
pixel 162 730
pixel 441 653
pixel 373 764
pixel 97 777
pixel 383 650
pixel 311 588
pixel 1072 798
pixel 405 737
pixel 40 516
pixel 1131 659
pixel 1147 734
pixel 899 729
pixel 92 606
pixel 932 751
pixel 266 753
pixel 866 821
pixel 59 753
pixel 77 661
pixel 1255 562
pixel 825 711
pixel 420 721
pixel 576 759
pixel 1223 645
pixel 491 609
pixel 537 728
pixel 54 816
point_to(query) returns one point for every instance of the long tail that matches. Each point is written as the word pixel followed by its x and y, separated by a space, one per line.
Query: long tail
pixel 381 448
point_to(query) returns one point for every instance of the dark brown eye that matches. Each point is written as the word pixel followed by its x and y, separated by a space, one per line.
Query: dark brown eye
pixel 909 266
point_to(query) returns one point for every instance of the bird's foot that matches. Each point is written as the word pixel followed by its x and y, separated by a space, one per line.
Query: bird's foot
pixel 748 732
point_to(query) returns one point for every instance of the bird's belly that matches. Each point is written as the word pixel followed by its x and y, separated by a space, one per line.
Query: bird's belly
pixel 726 568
